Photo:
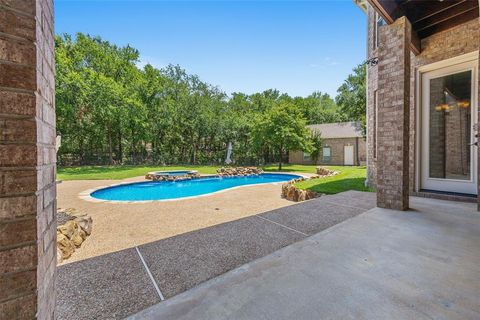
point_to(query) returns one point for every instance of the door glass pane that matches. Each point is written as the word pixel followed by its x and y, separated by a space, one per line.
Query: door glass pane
pixel 450 126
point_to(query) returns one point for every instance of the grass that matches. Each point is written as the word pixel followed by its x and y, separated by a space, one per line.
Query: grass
pixel 120 172
pixel 349 178
pixel 291 168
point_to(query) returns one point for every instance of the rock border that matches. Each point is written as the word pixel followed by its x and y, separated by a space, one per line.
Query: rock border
pixel 72 232
pixel 157 176
pixel 292 193
pixel 238 171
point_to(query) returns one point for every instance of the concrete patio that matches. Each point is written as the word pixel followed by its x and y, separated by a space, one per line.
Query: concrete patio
pixel 119 284
pixel 420 264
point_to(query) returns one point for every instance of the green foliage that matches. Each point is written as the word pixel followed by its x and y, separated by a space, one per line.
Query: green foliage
pixel 352 96
pixel 281 128
pixel 109 111
pixel 317 141
pixel 319 108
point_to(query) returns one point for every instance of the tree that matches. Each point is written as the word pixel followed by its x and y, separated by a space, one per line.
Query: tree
pixel 319 108
pixel 283 129
pixel 317 141
pixel 352 96
pixel 110 111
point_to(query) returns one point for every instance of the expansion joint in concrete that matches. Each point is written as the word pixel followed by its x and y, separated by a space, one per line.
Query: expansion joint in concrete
pixel 147 270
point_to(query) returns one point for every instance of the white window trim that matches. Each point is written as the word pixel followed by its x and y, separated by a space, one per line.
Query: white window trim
pixel 330 153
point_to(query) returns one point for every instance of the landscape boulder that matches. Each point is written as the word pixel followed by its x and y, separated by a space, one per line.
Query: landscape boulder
pixel 65 245
pixel 292 193
pixel 85 222
pixel 72 230
pixel 159 176
pixel 238 171
pixel 302 195
pixel 68 229
pixel 324 172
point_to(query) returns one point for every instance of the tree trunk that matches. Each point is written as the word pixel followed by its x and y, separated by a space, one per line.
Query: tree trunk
pixel 133 147
pixel 194 154
pixel 280 160
pixel 120 149
pixel 110 152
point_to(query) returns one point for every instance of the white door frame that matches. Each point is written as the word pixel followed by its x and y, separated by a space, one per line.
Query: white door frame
pixel 450 66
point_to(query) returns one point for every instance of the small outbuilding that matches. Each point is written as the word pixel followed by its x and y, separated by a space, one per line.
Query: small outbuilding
pixel 342 144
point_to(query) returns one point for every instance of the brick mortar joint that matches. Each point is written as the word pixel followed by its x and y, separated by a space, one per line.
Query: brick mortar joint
pixel 18 245
pixel 8 116
pixel 20 12
pixel 17 143
pixel 24 65
pixel 19 219
pixel 18 90
pixel 21 169
pixel 19 271
pixel 19 296
pixel 16 38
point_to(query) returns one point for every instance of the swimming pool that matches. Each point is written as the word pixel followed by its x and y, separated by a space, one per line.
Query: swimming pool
pixel 165 190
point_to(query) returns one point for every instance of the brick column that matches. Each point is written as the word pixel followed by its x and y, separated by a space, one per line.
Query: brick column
pixel 393 115
pixel 27 160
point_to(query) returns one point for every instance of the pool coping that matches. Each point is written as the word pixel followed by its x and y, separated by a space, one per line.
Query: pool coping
pixel 86 194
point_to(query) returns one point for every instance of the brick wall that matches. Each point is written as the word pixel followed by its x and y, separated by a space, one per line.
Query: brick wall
pixel 393 115
pixel 372 87
pixel 336 152
pixel 444 45
pixel 27 160
pixel 441 46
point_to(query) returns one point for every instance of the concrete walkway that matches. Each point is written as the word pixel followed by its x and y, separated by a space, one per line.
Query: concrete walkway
pixel 420 264
pixel 118 284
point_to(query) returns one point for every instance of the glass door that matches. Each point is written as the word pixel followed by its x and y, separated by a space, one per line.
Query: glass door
pixel 448 153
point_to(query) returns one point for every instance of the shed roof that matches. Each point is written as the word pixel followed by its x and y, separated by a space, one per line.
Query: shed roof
pixel 338 130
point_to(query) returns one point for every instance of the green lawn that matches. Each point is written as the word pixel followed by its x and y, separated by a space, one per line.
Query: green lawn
pixel 119 172
pixel 123 172
pixel 349 178
pixel 291 168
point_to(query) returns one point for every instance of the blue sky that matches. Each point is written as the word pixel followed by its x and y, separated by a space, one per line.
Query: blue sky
pixel 296 47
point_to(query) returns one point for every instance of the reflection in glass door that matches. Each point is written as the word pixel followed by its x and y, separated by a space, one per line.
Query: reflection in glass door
pixel 450 126
pixel 448 162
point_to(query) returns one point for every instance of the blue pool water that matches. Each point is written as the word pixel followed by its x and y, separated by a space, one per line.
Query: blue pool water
pixel 163 190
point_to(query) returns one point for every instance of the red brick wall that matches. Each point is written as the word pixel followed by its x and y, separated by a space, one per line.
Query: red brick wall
pixel 27 160
pixel 393 115
pixel 444 45
pixel 372 86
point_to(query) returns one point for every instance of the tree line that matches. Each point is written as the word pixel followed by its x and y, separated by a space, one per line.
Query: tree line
pixel 110 111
